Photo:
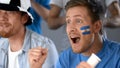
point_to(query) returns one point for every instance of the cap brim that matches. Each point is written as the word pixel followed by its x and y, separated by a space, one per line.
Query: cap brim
pixel 8 7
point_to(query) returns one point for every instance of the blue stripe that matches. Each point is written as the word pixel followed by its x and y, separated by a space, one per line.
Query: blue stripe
pixel 84 33
pixel 84 27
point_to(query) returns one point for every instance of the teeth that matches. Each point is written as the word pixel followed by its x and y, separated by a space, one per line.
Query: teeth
pixel 78 39
pixel 73 36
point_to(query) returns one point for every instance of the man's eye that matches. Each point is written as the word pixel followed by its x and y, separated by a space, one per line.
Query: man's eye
pixel 79 21
pixel 68 21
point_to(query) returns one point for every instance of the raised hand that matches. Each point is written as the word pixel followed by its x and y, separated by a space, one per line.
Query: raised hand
pixel 37 57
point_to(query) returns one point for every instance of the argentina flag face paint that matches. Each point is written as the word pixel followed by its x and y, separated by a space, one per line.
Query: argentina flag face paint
pixel 85 30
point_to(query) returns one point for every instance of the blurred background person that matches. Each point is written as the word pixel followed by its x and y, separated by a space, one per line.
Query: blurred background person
pixel 112 14
pixel 36 25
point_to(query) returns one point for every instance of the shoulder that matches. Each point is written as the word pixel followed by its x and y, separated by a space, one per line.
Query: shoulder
pixel 112 46
pixel 114 51
pixel 4 42
pixel 37 36
pixel 39 39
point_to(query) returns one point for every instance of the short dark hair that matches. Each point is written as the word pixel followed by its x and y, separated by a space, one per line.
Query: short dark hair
pixel 94 9
pixel 29 22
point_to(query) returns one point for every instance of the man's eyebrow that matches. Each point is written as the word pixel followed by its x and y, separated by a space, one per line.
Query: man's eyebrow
pixel 77 16
pixel 74 16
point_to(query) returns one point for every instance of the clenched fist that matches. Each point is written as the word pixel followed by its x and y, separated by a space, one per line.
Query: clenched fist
pixel 37 57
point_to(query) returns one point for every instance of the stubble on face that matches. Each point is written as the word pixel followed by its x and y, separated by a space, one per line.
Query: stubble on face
pixel 5 30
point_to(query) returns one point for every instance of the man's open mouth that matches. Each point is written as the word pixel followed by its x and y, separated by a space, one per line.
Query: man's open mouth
pixel 75 39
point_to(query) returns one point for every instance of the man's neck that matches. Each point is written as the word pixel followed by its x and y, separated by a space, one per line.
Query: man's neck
pixel 16 41
pixel 95 47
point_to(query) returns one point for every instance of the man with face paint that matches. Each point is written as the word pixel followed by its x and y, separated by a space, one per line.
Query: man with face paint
pixel 84 30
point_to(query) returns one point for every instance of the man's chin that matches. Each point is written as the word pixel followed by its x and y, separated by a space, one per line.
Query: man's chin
pixel 4 35
pixel 76 51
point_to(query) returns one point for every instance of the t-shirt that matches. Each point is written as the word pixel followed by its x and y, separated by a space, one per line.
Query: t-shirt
pixel 109 55
pixel 13 58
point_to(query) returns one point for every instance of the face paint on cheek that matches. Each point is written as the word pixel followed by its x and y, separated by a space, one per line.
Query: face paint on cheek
pixel 85 30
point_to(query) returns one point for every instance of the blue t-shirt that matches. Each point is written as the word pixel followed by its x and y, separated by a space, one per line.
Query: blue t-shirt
pixel 109 55
pixel 36 25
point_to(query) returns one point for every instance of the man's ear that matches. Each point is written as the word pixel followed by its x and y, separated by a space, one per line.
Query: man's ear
pixel 97 26
pixel 25 18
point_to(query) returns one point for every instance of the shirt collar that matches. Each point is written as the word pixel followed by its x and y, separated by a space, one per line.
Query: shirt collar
pixel 27 41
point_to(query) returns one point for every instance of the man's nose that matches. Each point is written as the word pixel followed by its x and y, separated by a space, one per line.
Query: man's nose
pixel 73 27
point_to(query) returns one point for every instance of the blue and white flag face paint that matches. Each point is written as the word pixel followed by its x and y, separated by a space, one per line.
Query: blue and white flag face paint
pixel 85 30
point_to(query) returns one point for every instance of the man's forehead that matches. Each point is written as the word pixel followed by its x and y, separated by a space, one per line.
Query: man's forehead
pixel 74 16
pixel 10 11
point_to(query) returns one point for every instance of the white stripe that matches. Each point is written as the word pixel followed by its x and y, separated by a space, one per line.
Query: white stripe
pixel 25 4
pixel 85 30
pixel 21 9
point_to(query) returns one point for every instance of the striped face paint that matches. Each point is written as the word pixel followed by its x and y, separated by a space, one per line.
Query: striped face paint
pixel 85 30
